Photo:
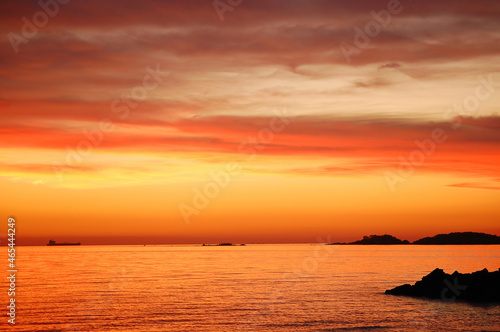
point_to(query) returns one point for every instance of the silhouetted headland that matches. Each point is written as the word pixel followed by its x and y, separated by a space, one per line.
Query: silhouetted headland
pixel 460 238
pixel 451 238
pixel 477 287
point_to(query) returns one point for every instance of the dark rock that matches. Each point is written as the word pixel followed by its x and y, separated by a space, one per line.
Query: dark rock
pixel 380 239
pixel 477 287
pixel 460 238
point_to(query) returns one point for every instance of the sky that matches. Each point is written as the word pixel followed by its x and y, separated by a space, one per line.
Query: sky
pixel 127 122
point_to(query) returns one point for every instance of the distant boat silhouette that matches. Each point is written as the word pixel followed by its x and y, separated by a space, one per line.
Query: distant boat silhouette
pixel 54 243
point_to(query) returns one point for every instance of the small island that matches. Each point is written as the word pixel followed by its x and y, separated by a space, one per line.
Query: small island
pixel 380 239
pixel 477 287
pixel 223 244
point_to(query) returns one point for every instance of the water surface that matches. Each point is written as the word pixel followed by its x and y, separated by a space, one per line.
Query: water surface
pixel 253 288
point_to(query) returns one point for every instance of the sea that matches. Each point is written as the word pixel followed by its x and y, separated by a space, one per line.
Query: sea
pixel 257 287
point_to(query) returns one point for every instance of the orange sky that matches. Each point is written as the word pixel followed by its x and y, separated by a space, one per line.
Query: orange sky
pixel 160 122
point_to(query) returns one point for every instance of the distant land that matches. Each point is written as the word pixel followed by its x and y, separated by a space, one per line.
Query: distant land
pixel 460 238
pixel 451 238
pixel 380 239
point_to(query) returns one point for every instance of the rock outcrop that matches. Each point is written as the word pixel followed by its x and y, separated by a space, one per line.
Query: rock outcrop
pixel 477 287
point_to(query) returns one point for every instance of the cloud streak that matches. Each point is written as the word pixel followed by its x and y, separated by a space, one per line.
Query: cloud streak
pixel 372 145
pixel 227 77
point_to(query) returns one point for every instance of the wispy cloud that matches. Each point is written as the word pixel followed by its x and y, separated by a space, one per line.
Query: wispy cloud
pixel 476 185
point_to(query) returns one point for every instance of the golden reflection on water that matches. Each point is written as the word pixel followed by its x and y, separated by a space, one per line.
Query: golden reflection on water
pixel 252 288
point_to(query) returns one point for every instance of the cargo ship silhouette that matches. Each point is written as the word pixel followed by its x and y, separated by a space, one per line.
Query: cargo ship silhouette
pixel 54 243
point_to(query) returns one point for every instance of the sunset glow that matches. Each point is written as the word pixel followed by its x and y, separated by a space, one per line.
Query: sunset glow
pixel 160 122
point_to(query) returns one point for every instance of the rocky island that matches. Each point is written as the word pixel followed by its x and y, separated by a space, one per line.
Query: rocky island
pixel 380 239
pixel 223 244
